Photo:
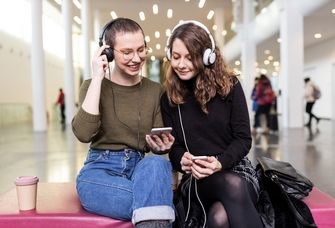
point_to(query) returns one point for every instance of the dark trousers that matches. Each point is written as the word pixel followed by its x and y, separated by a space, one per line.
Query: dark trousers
pixel 309 106
pixel 62 113
pixel 262 109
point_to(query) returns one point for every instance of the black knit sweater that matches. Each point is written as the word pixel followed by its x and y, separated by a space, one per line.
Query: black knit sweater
pixel 224 131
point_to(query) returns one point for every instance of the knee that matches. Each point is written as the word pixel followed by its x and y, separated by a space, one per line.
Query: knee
pixel 217 216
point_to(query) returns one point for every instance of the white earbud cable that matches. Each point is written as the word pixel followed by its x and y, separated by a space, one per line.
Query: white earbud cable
pixel 195 181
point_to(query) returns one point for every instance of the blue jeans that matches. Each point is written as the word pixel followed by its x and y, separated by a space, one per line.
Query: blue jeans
pixel 126 185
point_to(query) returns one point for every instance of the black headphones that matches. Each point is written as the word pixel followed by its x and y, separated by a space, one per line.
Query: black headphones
pixel 109 52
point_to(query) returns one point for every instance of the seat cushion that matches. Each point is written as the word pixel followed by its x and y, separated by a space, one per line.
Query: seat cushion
pixel 322 207
pixel 57 205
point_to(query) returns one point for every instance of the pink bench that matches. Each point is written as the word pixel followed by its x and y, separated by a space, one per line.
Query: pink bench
pixel 57 206
pixel 322 207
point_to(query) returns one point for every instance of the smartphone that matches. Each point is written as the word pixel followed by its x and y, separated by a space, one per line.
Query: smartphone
pixel 161 130
pixel 199 157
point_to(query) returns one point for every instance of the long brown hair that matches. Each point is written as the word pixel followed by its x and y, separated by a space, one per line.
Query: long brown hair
pixel 216 78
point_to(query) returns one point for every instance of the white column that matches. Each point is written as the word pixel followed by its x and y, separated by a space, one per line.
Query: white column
pixel 97 26
pixel 291 58
pixel 219 21
pixel 248 52
pixel 37 69
pixel 85 27
pixel 68 62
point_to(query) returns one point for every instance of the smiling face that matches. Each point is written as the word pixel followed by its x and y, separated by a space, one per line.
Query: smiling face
pixel 181 61
pixel 129 52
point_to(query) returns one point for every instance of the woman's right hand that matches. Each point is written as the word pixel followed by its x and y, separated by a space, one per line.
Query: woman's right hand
pixel 99 64
pixel 186 162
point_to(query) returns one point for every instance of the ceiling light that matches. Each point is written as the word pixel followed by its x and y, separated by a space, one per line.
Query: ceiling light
pixel 333 11
pixel 224 33
pixel 215 27
pixel 180 21
pixel 317 35
pixel 237 62
pixel 168 32
pixel 276 64
pixel 153 58
pixel 233 26
pixel 201 3
pixel 270 57
pixel 147 39
pixel 279 40
pixel 142 16
pixel 113 14
pixel 264 71
pixel 150 50
pixel 169 13
pixel 77 19
pixel 264 10
pixel 210 14
pixel 267 52
pixel 187 0
pixel 155 9
pixel 266 62
pixel 59 2
pixel 158 46
pixel 157 34
pixel 77 4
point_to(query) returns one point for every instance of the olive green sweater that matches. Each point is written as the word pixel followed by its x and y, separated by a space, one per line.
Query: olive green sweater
pixel 124 111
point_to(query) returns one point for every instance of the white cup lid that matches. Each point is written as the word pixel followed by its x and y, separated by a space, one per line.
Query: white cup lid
pixel 26 180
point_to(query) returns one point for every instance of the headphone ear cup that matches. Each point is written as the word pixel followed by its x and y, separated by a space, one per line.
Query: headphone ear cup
pixel 206 56
pixel 168 54
pixel 109 53
pixel 209 57
pixel 212 58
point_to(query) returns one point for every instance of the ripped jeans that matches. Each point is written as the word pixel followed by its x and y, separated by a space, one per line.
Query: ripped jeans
pixel 125 185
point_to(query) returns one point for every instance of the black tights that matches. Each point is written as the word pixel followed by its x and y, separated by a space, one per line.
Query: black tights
pixel 230 201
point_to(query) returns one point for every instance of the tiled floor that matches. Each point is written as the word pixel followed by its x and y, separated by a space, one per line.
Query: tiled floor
pixel 57 156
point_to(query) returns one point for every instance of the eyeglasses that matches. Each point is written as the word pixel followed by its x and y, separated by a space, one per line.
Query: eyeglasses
pixel 130 54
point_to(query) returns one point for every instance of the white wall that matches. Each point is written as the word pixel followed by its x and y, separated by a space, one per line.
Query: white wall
pixel 319 61
pixel 15 74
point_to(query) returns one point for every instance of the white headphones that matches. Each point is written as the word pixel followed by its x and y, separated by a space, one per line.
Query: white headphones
pixel 209 55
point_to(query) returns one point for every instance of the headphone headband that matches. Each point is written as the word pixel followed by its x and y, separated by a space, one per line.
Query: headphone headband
pixel 109 52
pixel 209 55
pixel 201 25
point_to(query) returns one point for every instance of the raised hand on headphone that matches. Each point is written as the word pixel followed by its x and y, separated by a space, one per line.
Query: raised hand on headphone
pixel 99 64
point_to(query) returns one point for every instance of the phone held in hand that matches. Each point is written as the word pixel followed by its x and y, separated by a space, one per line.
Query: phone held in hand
pixel 161 130
pixel 199 157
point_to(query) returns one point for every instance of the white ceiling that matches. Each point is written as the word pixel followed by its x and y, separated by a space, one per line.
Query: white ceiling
pixel 181 11
pixel 320 21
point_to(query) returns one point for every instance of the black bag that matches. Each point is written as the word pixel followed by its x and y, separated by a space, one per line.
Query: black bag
pixel 282 189
pixel 293 183
pixel 180 199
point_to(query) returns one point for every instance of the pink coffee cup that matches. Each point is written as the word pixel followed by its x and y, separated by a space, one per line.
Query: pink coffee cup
pixel 26 189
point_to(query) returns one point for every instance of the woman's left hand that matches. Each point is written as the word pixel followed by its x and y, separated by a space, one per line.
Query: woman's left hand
pixel 204 168
pixel 160 144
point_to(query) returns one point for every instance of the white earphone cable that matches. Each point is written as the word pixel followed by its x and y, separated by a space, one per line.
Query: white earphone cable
pixel 195 181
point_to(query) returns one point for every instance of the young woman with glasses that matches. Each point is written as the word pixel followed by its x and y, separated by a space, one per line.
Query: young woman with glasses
pixel 115 115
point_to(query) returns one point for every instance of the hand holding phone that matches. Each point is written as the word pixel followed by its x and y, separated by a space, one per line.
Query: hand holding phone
pixel 161 130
